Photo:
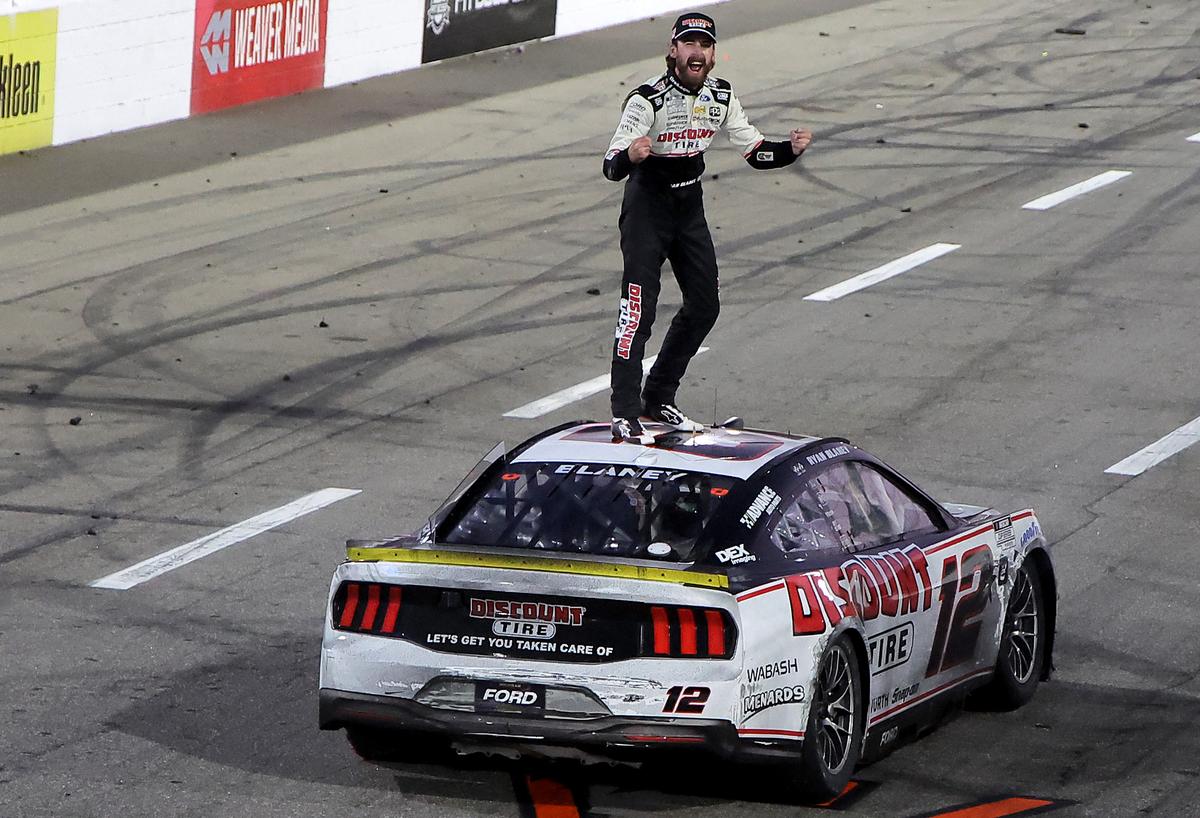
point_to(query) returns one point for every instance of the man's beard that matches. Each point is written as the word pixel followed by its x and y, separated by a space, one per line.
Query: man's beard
pixel 686 77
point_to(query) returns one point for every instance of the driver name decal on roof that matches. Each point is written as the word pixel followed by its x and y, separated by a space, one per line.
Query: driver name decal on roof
pixel 827 454
pixel 595 470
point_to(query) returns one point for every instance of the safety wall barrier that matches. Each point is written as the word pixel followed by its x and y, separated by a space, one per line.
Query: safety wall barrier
pixel 81 68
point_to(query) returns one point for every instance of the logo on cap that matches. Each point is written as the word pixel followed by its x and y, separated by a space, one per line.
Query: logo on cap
pixel 698 23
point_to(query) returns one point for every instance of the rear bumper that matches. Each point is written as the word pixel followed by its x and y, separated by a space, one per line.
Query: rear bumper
pixel 608 735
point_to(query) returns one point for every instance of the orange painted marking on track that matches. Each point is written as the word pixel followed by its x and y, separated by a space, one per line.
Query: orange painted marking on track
pixel 850 787
pixel 997 809
pixel 550 798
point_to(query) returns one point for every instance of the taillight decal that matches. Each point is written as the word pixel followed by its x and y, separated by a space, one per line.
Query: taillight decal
pixel 687 632
pixel 716 632
pixel 351 606
pixel 393 610
pixel 662 631
pixel 368 620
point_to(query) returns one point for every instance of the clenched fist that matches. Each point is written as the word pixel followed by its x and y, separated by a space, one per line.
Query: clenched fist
pixel 639 150
pixel 801 139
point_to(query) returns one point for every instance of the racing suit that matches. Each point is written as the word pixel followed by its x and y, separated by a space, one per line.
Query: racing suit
pixel 662 217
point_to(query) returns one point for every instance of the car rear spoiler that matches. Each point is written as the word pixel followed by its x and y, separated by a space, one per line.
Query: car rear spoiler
pixel 383 551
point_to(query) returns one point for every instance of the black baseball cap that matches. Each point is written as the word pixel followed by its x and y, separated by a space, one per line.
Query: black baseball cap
pixel 694 23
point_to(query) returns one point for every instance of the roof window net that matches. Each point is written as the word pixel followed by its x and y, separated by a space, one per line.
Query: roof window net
pixel 601 509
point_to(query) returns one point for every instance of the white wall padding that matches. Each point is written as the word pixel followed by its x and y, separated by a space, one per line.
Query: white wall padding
pixel 575 16
pixel 122 65
pixel 371 37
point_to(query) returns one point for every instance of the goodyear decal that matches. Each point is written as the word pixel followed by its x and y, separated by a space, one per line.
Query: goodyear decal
pixel 471 559
pixel 28 45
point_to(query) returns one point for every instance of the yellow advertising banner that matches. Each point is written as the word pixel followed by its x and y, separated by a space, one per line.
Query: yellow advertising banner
pixel 28 45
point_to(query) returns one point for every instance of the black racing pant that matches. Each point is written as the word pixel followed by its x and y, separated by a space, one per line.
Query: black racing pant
pixel 659 223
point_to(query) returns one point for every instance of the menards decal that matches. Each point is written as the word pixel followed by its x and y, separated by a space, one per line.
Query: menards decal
pixel 28 45
pixel 247 50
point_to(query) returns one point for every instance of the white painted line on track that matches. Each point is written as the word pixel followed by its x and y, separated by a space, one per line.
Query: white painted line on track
pixel 889 270
pixel 1158 451
pixel 1086 186
pixel 1194 138
pixel 170 560
pixel 563 397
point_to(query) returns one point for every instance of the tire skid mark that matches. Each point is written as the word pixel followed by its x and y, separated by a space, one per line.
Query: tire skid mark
pixel 156 481
pixel 135 344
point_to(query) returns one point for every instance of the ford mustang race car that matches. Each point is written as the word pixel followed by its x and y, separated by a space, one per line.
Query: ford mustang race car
pixel 765 597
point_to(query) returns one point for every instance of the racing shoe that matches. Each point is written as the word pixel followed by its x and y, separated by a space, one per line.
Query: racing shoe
pixel 669 414
pixel 631 429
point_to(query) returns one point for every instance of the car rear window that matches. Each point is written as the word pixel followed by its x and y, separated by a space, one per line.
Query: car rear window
pixel 588 508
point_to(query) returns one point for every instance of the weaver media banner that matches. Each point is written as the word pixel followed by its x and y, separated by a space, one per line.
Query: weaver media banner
pixel 247 50
pixel 457 27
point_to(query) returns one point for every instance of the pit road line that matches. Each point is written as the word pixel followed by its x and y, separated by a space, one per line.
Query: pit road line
pixel 889 270
pixel 1194 138
pixel 1158 451
pixel 1086 186
pixel 563 397
pixel 211 543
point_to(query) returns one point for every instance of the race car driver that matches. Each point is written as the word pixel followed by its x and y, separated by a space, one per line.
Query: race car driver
pixel 666 126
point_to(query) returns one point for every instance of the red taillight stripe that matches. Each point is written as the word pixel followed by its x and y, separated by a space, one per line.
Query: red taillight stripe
pixel 662 631
pixel 368 620
pixel 687 632
pixel 351 606
pixel 393 609
pixel 716 632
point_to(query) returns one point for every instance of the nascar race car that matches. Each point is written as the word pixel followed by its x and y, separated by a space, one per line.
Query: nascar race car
pixel 762 596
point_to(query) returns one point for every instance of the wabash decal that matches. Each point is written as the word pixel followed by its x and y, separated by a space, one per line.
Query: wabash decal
pixel 247 50
pixel 629 320
pixel 894 583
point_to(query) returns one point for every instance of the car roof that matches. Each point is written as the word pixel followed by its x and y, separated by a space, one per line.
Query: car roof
pixel 729 452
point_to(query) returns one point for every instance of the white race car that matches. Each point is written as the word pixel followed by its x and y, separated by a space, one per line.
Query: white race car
pixel 766 597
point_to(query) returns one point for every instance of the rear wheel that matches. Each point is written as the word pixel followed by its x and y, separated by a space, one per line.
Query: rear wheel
pixel 1022 645
pixel 833 736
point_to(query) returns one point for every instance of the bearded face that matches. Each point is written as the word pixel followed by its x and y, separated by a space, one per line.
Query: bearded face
pixel 694 55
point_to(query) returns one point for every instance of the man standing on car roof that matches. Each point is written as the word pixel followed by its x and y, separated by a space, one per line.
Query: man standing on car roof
pixel 665 128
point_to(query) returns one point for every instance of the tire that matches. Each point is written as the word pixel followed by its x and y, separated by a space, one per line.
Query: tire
pixel 834 733
pixel 379 745
pixel 1022 645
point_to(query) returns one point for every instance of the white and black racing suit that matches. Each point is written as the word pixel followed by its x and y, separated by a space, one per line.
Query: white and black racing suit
pixel 662 217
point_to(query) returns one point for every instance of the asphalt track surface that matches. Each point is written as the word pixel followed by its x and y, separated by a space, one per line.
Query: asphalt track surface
pixel 236 332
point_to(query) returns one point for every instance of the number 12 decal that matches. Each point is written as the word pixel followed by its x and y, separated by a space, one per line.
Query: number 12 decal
pixel 686 699
pixel 962 600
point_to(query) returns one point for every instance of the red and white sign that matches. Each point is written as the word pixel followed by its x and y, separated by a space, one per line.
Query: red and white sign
pixel 247 50
pixel 629 319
